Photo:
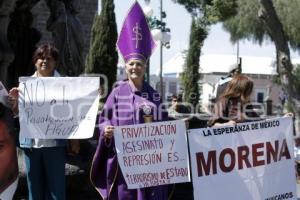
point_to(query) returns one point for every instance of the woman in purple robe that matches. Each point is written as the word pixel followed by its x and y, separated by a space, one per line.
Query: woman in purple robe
pixel 132 101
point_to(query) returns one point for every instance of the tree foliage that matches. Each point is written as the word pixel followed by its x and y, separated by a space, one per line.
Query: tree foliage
pixel 247 25
pixel 214 10
pixel 204 13
pixel 296 73
pixel 103 56
pixel 288 76
pixel 278 23
pixel 191 74
pixel 289 15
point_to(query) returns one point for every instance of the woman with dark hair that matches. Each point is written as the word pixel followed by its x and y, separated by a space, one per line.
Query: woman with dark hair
pixel 233 106
pixel 44 158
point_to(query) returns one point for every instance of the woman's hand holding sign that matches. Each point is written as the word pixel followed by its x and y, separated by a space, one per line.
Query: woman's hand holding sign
pixel 108 132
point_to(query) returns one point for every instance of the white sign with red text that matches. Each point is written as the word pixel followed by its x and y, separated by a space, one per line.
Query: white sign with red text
pixel 246 161
pixel 153 154
pixel 58 107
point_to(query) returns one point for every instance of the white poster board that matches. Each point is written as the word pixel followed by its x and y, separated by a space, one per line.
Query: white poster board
pixel 153 153
pixel 247 161
pixel 3 94
pixel 58 107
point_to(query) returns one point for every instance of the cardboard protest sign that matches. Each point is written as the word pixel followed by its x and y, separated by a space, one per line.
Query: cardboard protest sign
pixel 58 107
pixel 3 94
pixel 3 91
pixel 246 161
pixel 153 154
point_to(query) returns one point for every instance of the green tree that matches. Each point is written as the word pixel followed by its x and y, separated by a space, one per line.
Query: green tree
pixel 103 56
pixel 191 75
pixel 247 24
pixel 204 13
pixel 270 21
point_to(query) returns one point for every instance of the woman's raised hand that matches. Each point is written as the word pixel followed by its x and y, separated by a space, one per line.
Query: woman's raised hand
pixel 13 96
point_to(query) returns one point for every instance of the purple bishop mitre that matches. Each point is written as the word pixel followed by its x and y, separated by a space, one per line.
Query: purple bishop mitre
pixel 135 40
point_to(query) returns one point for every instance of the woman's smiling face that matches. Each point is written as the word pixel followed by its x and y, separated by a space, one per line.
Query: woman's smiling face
pixel 45 65
pixel 135 69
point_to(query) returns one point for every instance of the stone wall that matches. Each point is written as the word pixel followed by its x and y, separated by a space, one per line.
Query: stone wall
pixel 88 9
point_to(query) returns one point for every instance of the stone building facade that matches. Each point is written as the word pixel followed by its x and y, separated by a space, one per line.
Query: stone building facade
pixel 88 9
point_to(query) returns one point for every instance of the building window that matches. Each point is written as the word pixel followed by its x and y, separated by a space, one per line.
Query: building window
pixel 173 88
pixel 157 87
pixel 260 97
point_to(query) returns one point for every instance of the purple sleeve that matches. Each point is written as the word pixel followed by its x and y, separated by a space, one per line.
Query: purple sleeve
pixel 104 164
pixel 106 117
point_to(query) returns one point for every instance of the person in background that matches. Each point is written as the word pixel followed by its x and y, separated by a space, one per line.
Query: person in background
pixel 132 101
pixel 44 158
pixel 8 154
pixel 283 97
pixel 177 108
pixel 234 69
pixel 234 105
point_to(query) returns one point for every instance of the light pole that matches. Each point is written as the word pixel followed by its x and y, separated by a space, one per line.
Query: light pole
pixel 161 59
pixel 148 11
pixel 160 33
pixel 239 59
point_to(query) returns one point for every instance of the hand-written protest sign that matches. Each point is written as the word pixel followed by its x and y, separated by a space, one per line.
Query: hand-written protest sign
pixel 58 107
pixel 3 94
pixel 3 91
pixel 245 161
pixel 153 153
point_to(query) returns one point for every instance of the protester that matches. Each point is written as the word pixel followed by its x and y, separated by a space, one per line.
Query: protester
pixel 8 155
pixel 178 110
pixel 173 110
pixel 234 69
pixel 132 101
pixel 234 105
pixel 44 158
pixel 177 107
pixel 283 97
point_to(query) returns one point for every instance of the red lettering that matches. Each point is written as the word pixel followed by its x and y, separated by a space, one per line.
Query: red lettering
pixel 128 132
pixel 222 164
pixel 125 161
pixel 211 163
pixel 262 153
pixel 284 151
pixel 162 175
pixel 173 157
pixel 123 130
pixel 243 154
pixel 271 152
pixel 256 154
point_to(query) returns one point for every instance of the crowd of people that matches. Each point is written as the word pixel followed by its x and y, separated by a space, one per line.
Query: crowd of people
pixel 132 101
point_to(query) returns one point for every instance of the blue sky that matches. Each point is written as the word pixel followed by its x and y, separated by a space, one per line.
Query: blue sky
pixel 178 20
